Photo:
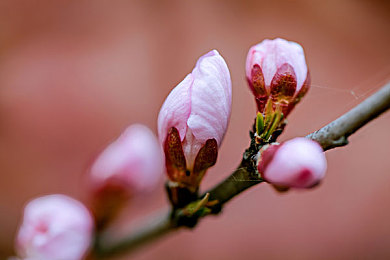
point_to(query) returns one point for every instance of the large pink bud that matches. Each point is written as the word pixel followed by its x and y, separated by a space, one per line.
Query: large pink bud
pixel 54 227
pixel 193 120
pixel 276 70
pixel 131 164
pixel 298 163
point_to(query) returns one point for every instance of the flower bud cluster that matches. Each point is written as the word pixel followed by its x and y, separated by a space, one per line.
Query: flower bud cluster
pixel 56 227
pixel 191 125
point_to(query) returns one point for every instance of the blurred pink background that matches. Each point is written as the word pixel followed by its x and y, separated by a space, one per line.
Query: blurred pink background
pixel 74 74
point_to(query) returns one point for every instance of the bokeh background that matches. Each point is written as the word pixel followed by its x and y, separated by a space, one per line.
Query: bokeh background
pixel 74 74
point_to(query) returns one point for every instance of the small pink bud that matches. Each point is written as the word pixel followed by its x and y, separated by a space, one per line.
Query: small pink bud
pixel 193 120
pixel 277 69
pixel 298 163
pixel 54 227
pixel 131 164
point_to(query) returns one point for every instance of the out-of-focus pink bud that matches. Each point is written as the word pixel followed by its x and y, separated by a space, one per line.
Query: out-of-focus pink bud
pixel 133 161
pixel 54 227
pixel 193 120
pixel 298 163
pixel 276 70
pixel 131 164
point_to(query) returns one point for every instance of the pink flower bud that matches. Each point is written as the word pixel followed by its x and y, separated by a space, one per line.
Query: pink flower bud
pixel 133 161
pixel 54 227
pixel 131 164
pixel 277 69
pixel 298 163
pixel 193 120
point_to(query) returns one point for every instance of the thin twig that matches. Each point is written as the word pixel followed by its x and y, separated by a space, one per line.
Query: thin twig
pixel 245 176
pixel 156 226
pixel 336 133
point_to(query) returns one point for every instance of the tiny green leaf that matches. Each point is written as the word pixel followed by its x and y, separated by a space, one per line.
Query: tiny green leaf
pixel 193 208
pixel 259 124
pixel 276 120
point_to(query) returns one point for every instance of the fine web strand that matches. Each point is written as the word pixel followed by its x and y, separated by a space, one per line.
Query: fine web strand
pixel 353 95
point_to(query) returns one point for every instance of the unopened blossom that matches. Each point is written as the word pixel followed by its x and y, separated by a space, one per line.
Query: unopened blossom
pixel 276 70
pixel 54 227
pixel 297 163
pixel 134 161
pixel 193 120
pixel 131 164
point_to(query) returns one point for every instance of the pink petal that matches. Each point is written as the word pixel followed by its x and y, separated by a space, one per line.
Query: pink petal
pixel 271 54
pixel 176 109
pixel 211 98
pixel 298 163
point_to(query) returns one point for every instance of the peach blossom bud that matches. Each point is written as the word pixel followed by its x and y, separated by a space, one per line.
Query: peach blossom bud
pixel 298 163
pixel 276 69
pixel 133 161
pixel 131 164
pixel 193 120
pixel 54 227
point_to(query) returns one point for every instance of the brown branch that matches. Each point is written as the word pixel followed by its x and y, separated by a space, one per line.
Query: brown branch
pixel 245 176
pixel 336 133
